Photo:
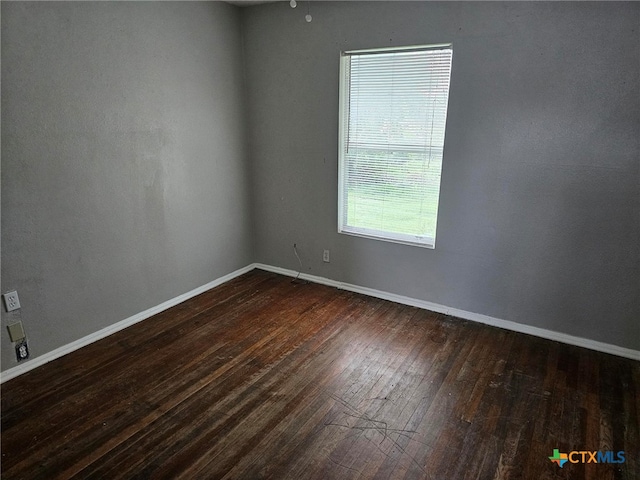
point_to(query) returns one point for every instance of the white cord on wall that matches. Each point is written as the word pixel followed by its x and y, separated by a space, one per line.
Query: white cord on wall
pixel 295 250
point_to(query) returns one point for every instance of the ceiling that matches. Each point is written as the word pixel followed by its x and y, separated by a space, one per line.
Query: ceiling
pixel 248 3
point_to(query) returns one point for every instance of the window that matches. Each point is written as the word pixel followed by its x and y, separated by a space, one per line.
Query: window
pixel 393 110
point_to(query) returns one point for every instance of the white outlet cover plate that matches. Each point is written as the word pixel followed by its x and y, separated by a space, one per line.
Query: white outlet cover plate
pixel 11 301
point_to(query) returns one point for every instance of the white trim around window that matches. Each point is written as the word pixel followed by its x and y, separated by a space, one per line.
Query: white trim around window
pixel 393 110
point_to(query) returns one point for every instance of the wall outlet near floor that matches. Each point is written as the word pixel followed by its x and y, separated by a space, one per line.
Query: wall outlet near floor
pixel 325 256
pixel 11 301
pixel 22 350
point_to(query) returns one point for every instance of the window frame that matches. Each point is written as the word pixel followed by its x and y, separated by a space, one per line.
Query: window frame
pixel 344 97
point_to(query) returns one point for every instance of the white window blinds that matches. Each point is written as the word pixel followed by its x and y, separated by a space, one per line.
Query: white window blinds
pixel 393 110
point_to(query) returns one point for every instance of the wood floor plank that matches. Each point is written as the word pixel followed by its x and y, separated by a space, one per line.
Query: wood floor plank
pixel 268 378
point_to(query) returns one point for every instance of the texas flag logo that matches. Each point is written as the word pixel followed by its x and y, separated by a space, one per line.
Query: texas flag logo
pixel 559 458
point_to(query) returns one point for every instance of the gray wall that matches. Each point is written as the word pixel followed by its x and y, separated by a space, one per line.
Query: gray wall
pixel 126 180
pixel 539 211
pixel 124 166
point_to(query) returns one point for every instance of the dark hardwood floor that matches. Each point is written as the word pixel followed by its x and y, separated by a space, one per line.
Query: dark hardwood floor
pixel 263 377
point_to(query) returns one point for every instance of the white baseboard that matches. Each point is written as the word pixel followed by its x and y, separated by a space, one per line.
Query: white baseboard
pixel 455 312
pixel 105 332
pixel 434 307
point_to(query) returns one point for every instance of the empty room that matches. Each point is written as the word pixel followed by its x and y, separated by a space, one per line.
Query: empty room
pixel 320 240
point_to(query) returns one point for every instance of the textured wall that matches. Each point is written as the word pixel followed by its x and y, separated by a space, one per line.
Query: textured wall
pixel 540 203
pixel 124 172
pixel 125 180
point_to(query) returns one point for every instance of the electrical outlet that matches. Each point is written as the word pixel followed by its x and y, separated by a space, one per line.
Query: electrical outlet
pixel 325 256
pixel 22 350
pixel 11 301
